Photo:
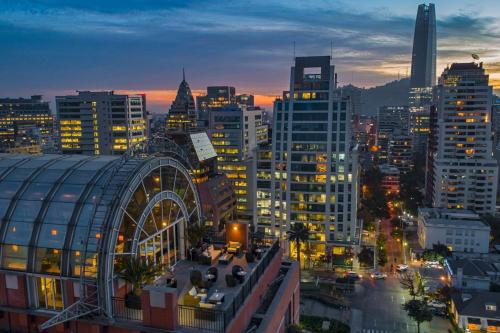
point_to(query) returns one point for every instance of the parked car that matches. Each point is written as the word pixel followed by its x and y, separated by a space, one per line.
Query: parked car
pixel 353 275
pixel 436 304
pixel 378 275
pixel 402 268
pixel 432 264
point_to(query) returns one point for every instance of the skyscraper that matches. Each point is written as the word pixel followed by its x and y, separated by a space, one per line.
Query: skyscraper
pixel 101 123
pixel 423 75
pixel 313 168
pixel 391 120
pixel 182 114
pixel 462 172
pixel 423 62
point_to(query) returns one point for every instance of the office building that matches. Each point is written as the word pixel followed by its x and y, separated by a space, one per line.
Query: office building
pixel 245 99
pixel 101 123
pixel 400 152
pixel 469 274
pixel 391 120
pixel 69 223
pixel 423 76
pixel 26 124
pixel 235 131
pixel 313 167
pixel 460 230
pixel 423 60
pixel 216 97
pixel 182 114
pixel 463 172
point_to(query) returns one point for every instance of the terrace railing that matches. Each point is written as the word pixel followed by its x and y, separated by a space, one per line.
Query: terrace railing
pixel 217 320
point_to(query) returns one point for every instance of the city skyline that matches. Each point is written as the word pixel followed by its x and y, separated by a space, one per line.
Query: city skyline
pixel 88 46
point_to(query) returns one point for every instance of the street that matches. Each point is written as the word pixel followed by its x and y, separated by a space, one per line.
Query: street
pixel 377 304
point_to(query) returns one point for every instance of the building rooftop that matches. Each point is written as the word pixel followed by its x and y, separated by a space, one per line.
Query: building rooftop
pixel 470 267
pixel 475 304
pixel 444 217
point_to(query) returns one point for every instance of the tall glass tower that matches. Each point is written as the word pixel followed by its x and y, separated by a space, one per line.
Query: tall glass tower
pixel 423 62
pixel 423 76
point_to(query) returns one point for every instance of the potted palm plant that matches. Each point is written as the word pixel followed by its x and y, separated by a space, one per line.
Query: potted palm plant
pixel 195 234
pixel 138 272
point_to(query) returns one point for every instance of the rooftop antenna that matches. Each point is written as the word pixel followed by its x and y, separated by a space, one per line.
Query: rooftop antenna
pixel 398 75
pixel 183 75
pixel 293 50
pixel 331 49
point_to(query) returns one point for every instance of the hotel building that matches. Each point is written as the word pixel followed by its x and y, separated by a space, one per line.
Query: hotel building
pixel 309 173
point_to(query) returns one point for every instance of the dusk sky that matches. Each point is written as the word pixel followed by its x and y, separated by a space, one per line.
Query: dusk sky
pixel 53 47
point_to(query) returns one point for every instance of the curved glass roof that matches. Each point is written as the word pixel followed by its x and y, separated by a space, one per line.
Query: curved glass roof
pixel 43 200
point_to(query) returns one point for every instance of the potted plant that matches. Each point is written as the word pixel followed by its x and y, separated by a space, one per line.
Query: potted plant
pixel 195 234
pixel 138 273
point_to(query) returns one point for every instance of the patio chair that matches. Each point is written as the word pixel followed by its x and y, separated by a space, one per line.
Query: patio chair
pixel 230 280
pixel 235 270
pixel 196 278
pixel 213 271
pixel 249 256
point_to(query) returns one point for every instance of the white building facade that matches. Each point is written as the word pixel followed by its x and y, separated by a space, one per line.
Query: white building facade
pixel 464 172
pixel 460 230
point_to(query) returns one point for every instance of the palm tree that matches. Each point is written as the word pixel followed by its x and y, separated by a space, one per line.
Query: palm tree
pixel 298 234
pixel 138 272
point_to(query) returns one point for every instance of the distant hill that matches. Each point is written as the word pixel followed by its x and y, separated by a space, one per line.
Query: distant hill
pixel 392 93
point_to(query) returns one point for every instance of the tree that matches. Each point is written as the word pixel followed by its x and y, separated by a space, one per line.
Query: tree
pixel 298 234
pixel 381 250
pixel 195 234
pixel 365 257
pixel 138 272
pixel 412 283
pixel 439 252
pixel 418 311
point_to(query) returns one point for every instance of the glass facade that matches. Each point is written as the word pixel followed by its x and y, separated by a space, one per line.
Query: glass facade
pixel 60 212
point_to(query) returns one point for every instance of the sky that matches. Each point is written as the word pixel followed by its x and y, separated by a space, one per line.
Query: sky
pixel 55 47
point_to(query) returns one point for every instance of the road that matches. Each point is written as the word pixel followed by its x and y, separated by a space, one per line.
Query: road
pixel 377 308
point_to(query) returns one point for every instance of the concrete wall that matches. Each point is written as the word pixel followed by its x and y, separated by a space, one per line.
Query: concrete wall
pixel 287 299
pixel 244 315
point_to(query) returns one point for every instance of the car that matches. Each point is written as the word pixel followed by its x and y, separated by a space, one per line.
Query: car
pixel 436 304
pixel 402 268
pixel 378 275
pixel 432 264
pixel 353 275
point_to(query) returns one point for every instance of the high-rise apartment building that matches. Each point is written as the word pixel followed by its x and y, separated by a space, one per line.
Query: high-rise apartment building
pixel 101 123
pixel 311 174
pixel 400 153
pixel 391 120
pixel 25 123
pixel 423 75
pixel 182 114
pixel 462 169
pixel 235 131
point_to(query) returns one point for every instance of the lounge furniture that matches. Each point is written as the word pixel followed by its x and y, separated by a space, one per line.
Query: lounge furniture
pixel 234 247
pixel 249 257
pixel 216 297
pixel 195 277
pixel 231 281
pixel 212 274
pixel 238 273
pixel 226 258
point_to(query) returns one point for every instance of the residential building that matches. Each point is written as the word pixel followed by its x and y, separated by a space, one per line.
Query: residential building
pixel 101 123
pixel 391 120
pixel 26 124
pixel 476 311
pixel 313 166
pixel 423 75
pixel 390 179
pixel 471 274
pixel 459 229
pixel 182 114
pixel 235 131
pixel 400 152
pixel 70 221
pixel 464 173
